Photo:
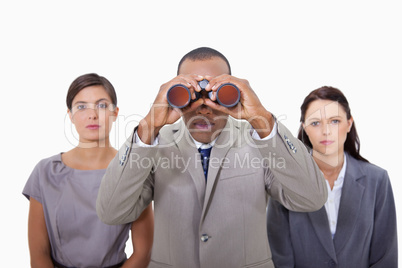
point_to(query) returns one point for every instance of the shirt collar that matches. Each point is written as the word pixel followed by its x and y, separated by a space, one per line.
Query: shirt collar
pixel 341 176
pixel 203 145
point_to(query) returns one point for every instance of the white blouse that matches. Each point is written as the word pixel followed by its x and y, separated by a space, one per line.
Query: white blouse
pixel 334 199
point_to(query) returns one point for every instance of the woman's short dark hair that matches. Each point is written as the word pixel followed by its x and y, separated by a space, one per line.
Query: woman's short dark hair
pixel 352 143
pixel 87 80
pixel 203 53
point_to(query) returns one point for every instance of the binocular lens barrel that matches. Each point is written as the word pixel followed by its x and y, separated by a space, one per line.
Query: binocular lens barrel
pixel 228 95
pixel 179 96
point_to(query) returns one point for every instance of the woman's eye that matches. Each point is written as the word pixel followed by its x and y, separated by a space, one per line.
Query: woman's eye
pixel 102 105
pixel 81 107
pixel 316 123
pixel 335 121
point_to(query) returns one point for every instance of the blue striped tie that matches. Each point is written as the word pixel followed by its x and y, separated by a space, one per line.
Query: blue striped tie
pixel 205 153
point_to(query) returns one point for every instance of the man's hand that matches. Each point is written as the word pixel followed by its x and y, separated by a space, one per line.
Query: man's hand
pixel 249 107
pixel 161 113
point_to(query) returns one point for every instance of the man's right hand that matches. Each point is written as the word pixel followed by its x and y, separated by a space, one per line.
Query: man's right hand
pixel 161 113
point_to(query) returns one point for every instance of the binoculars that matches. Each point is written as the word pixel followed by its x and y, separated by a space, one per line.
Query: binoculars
pixel 179 96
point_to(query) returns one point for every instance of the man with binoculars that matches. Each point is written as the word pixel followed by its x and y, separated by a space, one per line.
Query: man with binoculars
pixel 210 203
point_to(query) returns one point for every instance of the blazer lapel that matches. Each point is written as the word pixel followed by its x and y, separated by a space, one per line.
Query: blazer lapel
pixel 319 220
pixel 222 145
pixel 190 155
pixel 349 207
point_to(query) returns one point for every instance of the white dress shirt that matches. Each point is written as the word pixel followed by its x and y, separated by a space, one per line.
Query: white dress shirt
pixel 334 199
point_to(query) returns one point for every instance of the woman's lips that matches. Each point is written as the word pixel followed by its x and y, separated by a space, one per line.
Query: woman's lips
pixel 93 127
pixel 326 142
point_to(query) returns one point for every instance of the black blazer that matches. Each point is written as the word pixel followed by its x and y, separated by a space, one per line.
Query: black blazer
pixel 365 235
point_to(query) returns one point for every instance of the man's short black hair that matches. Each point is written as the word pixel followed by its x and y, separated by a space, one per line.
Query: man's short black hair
pixel 203 53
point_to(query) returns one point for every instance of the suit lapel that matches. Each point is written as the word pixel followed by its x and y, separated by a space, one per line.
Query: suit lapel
pixel 349 207
pixel 222 145
pixel 190 153
pixel 319 220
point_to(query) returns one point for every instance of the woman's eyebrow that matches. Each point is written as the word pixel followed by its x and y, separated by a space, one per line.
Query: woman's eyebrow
pixel 313 119
pixel 79 102
pixel 84 102
pixel 103 99
pixel 335 116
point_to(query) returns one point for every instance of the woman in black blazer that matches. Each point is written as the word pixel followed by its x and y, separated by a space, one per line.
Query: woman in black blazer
pixel 357 225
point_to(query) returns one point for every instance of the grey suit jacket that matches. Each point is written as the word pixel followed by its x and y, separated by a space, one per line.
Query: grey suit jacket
pixel 221 222
pixel 366 230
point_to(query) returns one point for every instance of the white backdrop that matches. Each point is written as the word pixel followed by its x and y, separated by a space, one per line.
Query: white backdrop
pixel 284 48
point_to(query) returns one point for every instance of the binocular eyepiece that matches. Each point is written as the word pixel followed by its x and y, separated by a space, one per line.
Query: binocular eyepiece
pixel 179 96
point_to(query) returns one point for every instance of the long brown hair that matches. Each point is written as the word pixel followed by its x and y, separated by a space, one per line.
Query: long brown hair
pixel 352 143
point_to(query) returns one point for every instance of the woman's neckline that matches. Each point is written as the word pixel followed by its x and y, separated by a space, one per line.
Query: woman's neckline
pixel 77 169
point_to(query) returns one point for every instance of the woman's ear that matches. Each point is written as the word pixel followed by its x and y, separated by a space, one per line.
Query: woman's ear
pixel 115 113
pixel 70 115
pixel 350 123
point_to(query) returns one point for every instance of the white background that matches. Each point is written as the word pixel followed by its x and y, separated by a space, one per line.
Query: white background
pixel 284 48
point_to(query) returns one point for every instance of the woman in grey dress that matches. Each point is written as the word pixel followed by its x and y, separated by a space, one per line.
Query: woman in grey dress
pixel 63 227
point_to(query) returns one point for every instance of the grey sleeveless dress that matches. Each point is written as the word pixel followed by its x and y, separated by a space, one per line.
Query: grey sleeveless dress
pixel 68 196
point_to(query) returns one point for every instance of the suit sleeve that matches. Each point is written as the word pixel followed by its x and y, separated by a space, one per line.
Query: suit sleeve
pixel 127 186
pixel 293 179
pixel 384 244
pixel 279 235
